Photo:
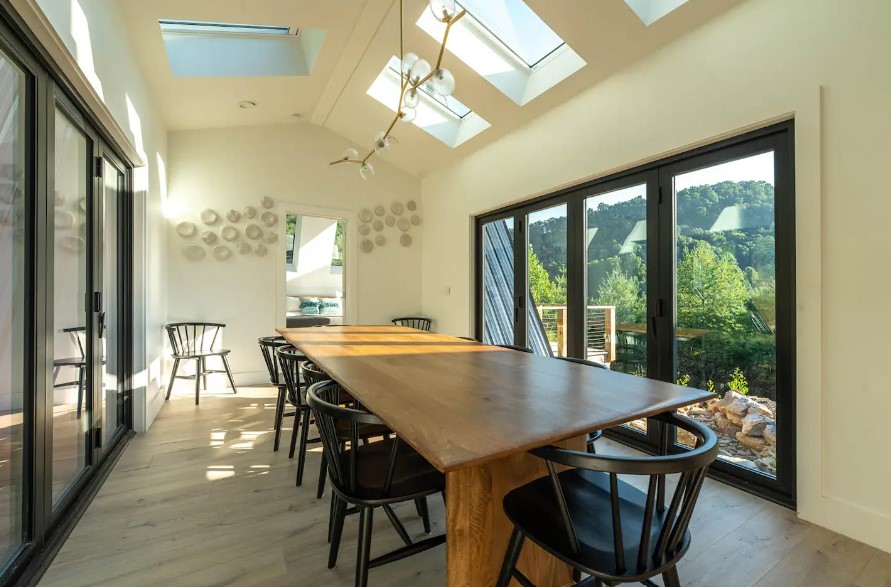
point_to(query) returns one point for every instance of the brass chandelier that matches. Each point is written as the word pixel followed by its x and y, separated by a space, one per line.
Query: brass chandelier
pixel 414 73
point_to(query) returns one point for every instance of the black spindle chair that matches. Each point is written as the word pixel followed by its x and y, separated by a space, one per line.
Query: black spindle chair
pixel 569 514
pixel 78 336
pixel 413 322
pixel 513 347
pixel 197 341
pixel 268 346
pixel 597 434
pixel 368 476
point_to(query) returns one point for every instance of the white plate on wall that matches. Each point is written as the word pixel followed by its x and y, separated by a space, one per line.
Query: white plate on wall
pixel 268 218
pixel 366 246
pixel 222 252
pixel 229 233
pixel 63 219
pixel 233 216
pixel 267 202
pixel 378 225
pixel 405 240
pixel 416 220
pixel 260 249
pixel 194 253
pixel 271 237
pixel 380 240
pixel 365 215
pixel 208 216
pixel 243 248
pixel 390 221
pixel 209 237
pixel 253 231
pixel 379 211
pixel 249 212
pixel 411 205
pixel 404 224
pixel 185 229
pixel 364 229
pixel 396 208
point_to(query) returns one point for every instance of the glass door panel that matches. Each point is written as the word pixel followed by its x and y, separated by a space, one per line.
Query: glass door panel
pixel 69 226
pixel 547 326
pixel 616 281
pixel 109 317
pixel 13 291
pixel 725 284
pixel 499 310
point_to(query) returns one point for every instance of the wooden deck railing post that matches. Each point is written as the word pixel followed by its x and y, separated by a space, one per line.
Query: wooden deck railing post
pixel 609 332
pixel 561 331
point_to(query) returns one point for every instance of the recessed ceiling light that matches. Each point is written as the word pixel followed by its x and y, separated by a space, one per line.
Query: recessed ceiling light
pixel 294 117
pixel 247 104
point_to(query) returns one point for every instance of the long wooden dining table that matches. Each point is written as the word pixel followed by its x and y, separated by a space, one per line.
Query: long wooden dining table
pixel 473 411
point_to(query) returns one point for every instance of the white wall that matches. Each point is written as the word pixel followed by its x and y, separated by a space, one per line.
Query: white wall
pixel 231 168
pixel 313 274
pixel 826 63
pixel 94 33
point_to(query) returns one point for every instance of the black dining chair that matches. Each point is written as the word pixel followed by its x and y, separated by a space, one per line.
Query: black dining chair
pixel 597 434
pixel 513 347
pixel 570 514
pixel 196 341
pixel 78 363
pixel 413 322
pixel 368 476
pixel 268 346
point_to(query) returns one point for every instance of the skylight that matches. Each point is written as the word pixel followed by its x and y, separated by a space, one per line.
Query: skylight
pixel 515 25
pixel 221 28
pixel 447 119
pixel 508 44
pixel 649 11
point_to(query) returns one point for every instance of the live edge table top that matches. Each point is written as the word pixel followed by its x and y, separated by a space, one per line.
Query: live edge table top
pixel 462 403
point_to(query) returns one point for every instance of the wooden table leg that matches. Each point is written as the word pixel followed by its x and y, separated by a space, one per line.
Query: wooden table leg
pixel 477 531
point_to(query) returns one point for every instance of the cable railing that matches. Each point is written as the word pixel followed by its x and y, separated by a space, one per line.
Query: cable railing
pixel 600 330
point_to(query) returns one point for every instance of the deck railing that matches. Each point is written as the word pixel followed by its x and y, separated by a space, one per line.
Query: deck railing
pixel 600 330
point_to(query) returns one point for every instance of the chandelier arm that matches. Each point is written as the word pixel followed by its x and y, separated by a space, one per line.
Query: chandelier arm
pixel 445 37
pixel 344 161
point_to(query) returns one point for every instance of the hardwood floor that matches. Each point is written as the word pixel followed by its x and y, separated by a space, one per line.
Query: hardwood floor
pixel 201 500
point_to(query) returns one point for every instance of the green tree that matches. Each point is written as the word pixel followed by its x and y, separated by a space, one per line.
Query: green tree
pixel 543 290
pixel 711 290
pixel 624 292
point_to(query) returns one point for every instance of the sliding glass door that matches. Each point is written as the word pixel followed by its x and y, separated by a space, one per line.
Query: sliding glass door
pixel 682 271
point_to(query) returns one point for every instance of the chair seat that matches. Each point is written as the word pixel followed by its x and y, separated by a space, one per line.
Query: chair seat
pixel 198 354
pixel 412 475
pixel 69 362
pixel 365 430
pixel 533 509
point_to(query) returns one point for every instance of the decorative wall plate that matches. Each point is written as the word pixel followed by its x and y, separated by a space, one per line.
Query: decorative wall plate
pixel 253 231
pixel 222 252
pixel 267 202
pixel 390 220
pixel 82 204
pixel 82 230
pixel 366 245
pixel 404 224
pixel 364 229
pixel 209 237
pixel 411 205
pixel 379 210
pixel 243 248
pixel 405 240
pixel 365 215
pixel 73 244
pixel 230 233
pixel 208 216
pixel 378 225
pixel 380 240
pixel 249 212
pixel 63 219
pixel 185 229
pixel 270 237
pixel 194 253
pixel 59 199
pixel 415 219
pixel 233 215
pixel 396 208
pixel 260 249
pixel 268 218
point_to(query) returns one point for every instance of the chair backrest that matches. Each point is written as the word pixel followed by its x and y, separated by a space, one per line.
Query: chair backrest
pixel 669 526
pixel 268 344
pixel 413 322
pixel 188 338
pixel 583 362
pixel 312 373
pixel 78 336
pixel 289 361
pixel 513 347
pixel 324 399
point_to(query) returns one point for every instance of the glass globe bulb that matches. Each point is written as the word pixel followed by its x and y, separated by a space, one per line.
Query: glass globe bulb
pixel 407 61
pixel 419 70
pixel 350 154
pixel 411 98
pixel 381 142
pixel 366 170
pixel 408 114
pixel 443 10
pixel 443 82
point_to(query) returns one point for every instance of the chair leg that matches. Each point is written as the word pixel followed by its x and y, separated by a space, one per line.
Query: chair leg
pixel 338 514
pixel 670 577
pixel 172 378
pixel 294 433
pixel 197 380
pixel 229 373
pixel 279 417
pixel 204 372
pixel 322 474
pixel 366 517
pixel 304 436
pixel 80 390
pixel 421 505
pixel 510 558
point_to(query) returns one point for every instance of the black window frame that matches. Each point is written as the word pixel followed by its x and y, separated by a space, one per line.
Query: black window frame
pixel 778 138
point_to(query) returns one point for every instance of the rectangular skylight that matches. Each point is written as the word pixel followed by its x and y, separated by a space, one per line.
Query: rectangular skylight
pixel 451 103
pixel 515 25
pixel 221 28
pixel 447 119
pixel 649 11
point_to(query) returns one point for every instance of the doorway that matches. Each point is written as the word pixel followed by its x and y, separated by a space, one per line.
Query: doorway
pixel 315 279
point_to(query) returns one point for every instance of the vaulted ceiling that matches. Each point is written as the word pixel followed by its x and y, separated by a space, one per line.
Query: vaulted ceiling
pixel 361 36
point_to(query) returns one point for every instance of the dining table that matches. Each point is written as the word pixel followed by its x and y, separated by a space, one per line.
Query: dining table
pixel 474 411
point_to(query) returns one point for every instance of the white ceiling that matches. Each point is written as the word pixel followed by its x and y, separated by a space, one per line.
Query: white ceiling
pixel 361 37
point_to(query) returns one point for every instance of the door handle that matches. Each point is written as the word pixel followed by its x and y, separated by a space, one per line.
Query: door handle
pixel 101 324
